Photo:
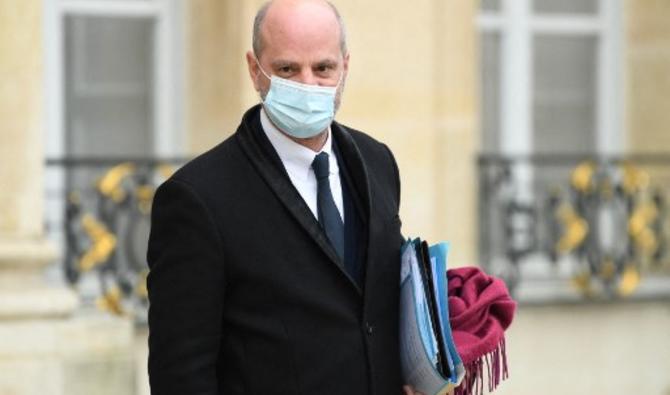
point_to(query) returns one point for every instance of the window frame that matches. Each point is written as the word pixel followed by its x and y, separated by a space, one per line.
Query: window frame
pixel 168 131
pixel 517 25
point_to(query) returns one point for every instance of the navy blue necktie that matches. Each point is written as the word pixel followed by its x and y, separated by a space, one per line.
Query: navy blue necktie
pixel 329 216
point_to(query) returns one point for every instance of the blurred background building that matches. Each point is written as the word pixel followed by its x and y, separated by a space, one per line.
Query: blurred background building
pixel 532 134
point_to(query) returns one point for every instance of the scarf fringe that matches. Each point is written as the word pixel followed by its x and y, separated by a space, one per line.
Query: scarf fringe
pixel 496 371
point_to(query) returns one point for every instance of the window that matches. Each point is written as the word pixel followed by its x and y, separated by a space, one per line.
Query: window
pixel 113 69
pixel 550 76
pixel 550 85
pixel 113 88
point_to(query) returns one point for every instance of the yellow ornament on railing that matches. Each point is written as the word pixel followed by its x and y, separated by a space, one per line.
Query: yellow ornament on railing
pixel 607 269
pixel 141 286
pixel 639 228
pixel 582 282
pixel 634 179
pixel 166 170
pixel 145 195
pixel 582 177
pixel 104 243
pixel 111 302
pixel 630 279
pixel 109 184
pixel 576 229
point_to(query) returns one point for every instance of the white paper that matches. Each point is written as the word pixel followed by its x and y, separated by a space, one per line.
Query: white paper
pixel 418 346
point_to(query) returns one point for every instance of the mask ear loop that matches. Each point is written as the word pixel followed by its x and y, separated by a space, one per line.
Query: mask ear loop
pixel 261 68
pixel 339 80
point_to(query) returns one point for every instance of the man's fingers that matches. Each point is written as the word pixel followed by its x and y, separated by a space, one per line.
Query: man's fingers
pixel 410 391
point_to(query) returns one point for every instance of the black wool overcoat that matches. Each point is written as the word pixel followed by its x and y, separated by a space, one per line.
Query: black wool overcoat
pixel 246 294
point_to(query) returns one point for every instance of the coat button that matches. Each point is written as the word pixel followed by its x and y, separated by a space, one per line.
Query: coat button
pixel 369 328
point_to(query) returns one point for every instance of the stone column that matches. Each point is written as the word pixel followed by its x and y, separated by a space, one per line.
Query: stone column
pixel 44 347
pixel 23 249
pixel 456 71
pixel 647 65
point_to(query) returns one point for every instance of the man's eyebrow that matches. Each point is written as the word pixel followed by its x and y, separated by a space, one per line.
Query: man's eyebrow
pixel 283 63
pixel 326 62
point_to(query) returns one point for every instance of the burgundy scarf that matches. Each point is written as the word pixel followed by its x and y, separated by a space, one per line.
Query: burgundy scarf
pixel 480 309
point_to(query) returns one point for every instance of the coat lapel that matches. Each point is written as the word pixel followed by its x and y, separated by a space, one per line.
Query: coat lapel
pixel 353 161
pixel 365 185
pixel 264 158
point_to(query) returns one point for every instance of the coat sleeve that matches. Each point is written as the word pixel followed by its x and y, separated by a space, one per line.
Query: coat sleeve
pixel 186 293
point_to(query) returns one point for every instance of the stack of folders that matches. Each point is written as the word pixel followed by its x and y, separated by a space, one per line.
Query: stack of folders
pixel 429 360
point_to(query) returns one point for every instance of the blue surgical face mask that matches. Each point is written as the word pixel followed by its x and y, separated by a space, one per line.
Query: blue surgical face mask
pixel 299 110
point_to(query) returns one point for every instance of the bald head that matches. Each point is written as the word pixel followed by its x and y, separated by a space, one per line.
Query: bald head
pixel 277 16
pixel 298 40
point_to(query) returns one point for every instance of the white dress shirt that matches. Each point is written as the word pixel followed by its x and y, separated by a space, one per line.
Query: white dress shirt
pixel 297 161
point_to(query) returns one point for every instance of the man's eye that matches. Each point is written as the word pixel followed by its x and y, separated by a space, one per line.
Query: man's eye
pixel 283 71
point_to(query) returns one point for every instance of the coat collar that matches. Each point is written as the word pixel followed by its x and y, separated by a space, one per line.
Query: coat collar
pixel 265 159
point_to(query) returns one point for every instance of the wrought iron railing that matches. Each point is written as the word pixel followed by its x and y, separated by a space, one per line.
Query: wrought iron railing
pixel 554 226
pixel 571 227
pixel 104 225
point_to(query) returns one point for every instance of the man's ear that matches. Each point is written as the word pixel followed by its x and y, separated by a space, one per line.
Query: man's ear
pixel 254 70
pixel 345 64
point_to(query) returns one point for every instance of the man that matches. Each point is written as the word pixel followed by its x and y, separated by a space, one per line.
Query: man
pixel 274 256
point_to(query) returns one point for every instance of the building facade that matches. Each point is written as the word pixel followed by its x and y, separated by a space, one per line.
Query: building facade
pixel 113 88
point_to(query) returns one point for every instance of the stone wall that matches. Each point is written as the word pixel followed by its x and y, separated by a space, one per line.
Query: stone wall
pixel 45 346
pixel 647 65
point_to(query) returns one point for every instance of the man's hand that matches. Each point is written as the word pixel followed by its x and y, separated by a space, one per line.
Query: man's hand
pixel 410 391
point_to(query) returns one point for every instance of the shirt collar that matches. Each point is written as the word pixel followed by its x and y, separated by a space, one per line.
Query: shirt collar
pixel 297 159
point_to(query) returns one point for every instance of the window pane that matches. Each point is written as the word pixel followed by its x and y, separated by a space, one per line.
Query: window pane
pixel 109 102
pixel 109 113
pixel 490 91
pixel 490 5
pixel 564 94
pixel 565 6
